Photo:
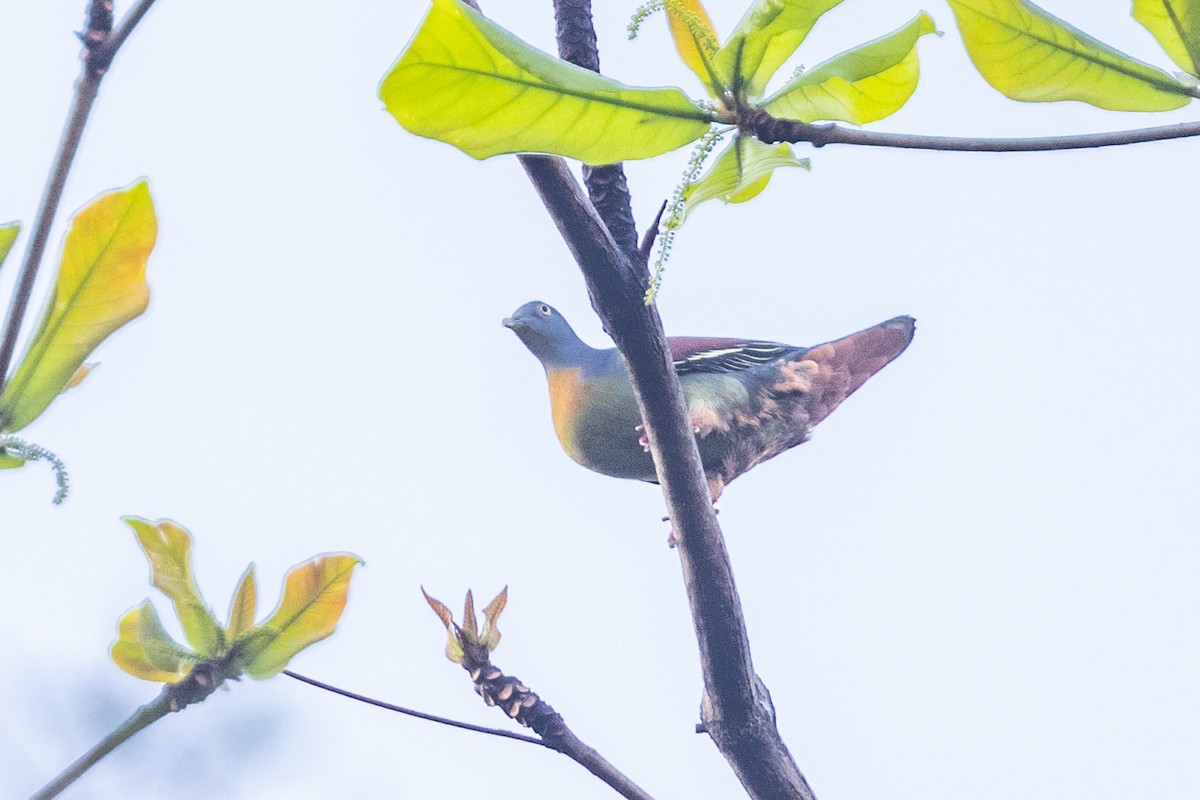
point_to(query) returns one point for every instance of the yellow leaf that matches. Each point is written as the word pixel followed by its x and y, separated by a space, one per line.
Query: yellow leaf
pixel 695 39
pixel 101 285
pixel 168 546
pixel 8 236
pixel 1028 54
pixel 314 596
pixel 1176 26
pixel 861 85
pixel 244 606
pixel 9 461
pixel 145 650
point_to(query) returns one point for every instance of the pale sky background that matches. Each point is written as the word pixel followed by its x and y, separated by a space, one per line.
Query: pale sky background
pixel 978 580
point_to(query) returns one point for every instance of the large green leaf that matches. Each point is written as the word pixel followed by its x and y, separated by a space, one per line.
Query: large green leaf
pixel 861 85
pixel 1028 54
pixel 766 36
pixel 8 235
pixel 1176 26
pixel 466 81
pixel 101 285
pixel 739 174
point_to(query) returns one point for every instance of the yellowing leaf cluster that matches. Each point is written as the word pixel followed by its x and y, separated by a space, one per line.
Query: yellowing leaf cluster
pixel 314 597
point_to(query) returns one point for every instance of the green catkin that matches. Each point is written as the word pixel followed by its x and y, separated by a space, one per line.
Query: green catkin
pixel 671 217
pixel 31 452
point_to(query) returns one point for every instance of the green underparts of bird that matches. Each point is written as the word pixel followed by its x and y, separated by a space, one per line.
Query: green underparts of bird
pixel 748 400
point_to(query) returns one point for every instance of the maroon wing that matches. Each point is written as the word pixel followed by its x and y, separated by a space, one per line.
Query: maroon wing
pixel 698 354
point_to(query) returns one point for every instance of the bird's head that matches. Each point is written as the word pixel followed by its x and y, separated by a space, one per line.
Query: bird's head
pixel 547 335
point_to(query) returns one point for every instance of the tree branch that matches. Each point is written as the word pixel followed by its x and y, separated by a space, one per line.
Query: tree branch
pixel 606 185
pixel 736 708
pixel 204 679
pixel 100 46
pixel 410 712
pixel 769 129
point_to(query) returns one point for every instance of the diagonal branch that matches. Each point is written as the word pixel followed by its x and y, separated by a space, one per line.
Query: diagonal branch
pixel 736 708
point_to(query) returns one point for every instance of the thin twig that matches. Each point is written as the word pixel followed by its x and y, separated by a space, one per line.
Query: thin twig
pixel 769 129
pixel 410 712
pixel 100 46
pixel 204 679
pixel 152 711
pixel 108 50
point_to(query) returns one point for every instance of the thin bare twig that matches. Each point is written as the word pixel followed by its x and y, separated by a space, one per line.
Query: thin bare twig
pixel 769 129
pixel 205 678
pixel 101 43
pixel 418 714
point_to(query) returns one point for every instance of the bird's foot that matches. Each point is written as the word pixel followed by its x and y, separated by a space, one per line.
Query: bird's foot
pixel 644 440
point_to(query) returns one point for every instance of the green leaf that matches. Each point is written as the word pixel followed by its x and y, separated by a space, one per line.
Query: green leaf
pixel 145 650
pixel 168 546
pixel 859 86
pixel 695 39
pixel 314 596
pixel 468 82
pixel 101 285
pixel 1028 54
pixel 765 37
pixel 8 236
pixel 740 173
pixel 1176 26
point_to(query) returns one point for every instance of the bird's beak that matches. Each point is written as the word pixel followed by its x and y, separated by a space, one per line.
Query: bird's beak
pixel 509 322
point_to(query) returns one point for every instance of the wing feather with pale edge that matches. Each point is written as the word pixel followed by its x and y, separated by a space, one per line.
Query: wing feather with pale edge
pixel 694 354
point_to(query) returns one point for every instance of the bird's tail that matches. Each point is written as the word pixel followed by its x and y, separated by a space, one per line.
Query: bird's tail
pixel 835 369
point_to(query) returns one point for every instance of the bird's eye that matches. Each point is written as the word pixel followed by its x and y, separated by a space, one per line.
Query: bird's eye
pixel 544 310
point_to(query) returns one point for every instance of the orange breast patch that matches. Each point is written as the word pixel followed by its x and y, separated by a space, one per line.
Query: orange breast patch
pixel 566 390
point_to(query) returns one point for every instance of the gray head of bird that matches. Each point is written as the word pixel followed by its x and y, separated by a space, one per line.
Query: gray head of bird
pixel 547 335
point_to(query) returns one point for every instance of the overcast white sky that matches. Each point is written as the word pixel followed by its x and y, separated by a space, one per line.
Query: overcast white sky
pixel 979 579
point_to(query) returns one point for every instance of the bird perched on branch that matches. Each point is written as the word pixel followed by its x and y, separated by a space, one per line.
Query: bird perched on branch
pixel 748 400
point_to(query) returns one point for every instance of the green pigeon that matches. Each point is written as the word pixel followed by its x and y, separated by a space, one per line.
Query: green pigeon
pixel 749 400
